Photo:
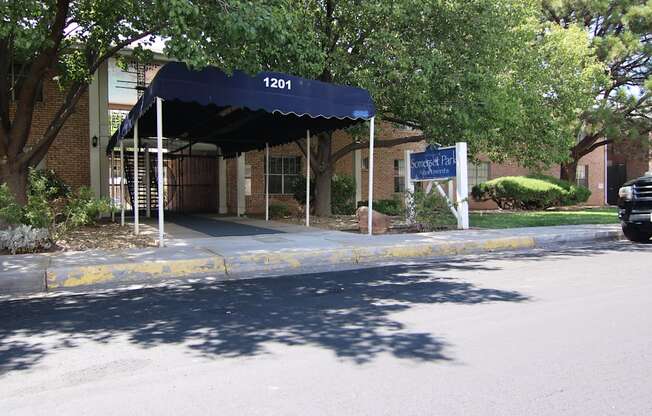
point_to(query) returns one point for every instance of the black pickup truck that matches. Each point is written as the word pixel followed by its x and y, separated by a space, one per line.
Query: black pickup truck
pixel 635 209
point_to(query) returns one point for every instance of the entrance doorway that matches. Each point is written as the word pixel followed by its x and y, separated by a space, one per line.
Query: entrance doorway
pixel 616 177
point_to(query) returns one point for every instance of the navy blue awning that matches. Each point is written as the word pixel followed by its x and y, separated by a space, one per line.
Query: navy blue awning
pixel 242 112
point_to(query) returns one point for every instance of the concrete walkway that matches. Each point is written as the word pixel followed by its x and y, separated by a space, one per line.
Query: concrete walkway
pixel 239 257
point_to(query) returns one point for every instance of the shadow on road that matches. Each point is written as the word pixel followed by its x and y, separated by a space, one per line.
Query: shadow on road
pixel 349 313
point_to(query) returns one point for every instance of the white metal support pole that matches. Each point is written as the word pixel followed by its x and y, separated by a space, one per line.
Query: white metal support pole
pixel 136 201
pixel 308 153
pixel 451 190
pixel 370 194
pixel 606 176
pixel 266 181
pixel 448 198
pixel 221 184
pixel 357 174
pixel 112 185
pixel 462 193
pixel 409 189
pixel 148 185
pixel 241 184
pixel 159 165
pixel 122 183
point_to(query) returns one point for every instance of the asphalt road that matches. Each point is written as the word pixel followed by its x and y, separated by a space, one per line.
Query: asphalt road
pixel 531 333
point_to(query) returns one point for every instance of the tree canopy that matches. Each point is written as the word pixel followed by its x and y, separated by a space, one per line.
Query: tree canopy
pixel 488 72
pixel 68 40
pixel 620 35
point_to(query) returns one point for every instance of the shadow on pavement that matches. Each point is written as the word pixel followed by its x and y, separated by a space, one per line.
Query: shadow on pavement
pixel 349 313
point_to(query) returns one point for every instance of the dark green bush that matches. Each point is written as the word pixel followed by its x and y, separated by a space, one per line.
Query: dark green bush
pixel 519 192
pixel 342 195
pixel 392 207
pixel 573 194
pixel 278 210
pixel 431 211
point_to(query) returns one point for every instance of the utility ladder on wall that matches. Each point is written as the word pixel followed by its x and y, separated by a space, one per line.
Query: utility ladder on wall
pixel 142 185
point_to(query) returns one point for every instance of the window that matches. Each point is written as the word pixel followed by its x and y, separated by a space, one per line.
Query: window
pixel 115 119
pixel 582 175
pixel 399 175
pixel 478 173
pixel 283 172
pixel 247 180
pixel 365 163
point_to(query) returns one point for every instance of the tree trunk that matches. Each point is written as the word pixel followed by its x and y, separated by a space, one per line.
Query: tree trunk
pixel 323 176
pixel 323 192
pixel 568 171
pixel 16 179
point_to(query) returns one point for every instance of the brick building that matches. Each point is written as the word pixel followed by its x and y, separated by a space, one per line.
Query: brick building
pixel 78 155
pixel 70 154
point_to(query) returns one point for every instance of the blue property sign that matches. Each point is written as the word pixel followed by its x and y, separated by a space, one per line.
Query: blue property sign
pixel 433 164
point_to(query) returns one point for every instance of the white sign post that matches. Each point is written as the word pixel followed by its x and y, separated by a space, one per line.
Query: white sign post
pixel 435 166
pixel 462 188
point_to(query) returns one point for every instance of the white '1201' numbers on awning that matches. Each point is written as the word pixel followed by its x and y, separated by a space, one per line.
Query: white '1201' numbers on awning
pixel 279 83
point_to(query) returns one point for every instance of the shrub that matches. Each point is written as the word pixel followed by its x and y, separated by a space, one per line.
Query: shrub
pixel 47 184
pixel 299 190
pixel 38 212
pixel 342 195
pixel 11 212
pixel 24 239
pixel 431 211
pixel 392 207
pixel 573 194
pixel 519 192
pixel 278 210
pixel 51 208
pixel 83 208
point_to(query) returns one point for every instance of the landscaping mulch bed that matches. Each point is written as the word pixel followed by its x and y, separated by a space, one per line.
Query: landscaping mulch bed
pixel 349 223
pixel 105 235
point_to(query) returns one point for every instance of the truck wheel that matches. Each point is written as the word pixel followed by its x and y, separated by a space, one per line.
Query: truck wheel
pixel 636 235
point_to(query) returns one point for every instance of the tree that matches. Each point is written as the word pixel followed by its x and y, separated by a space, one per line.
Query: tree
pixel 620 33
pixel 482 71
pixel 68 40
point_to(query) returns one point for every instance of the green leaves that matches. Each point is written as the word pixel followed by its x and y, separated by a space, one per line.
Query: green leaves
pixel 619 34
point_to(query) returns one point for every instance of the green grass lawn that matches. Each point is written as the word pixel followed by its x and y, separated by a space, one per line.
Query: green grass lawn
pixel 542 218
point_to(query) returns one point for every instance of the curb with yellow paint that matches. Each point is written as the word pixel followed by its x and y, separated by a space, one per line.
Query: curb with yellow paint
pixel 160 265
pixel 68 277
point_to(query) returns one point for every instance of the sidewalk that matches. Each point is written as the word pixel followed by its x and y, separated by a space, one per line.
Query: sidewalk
pixel 241 257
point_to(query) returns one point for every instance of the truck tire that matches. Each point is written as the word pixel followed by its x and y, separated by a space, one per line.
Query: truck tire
pixel 636 235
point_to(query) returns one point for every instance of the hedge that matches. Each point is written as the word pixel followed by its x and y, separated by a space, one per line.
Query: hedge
pixel 520 192
pixel 574 194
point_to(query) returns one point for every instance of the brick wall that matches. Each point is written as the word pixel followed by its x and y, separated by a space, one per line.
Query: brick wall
pixel 635 155
pixel 383 160
pixel 384 171
pixel 597 181
pixel 69 155
pixel 255 203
